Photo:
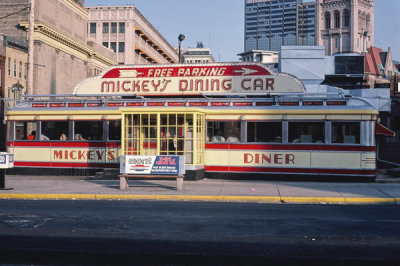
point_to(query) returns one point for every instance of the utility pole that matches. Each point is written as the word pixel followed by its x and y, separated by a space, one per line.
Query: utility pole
pixel 29 87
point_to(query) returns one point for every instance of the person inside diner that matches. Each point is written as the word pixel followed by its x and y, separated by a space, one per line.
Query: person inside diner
pixel 63 136
pixel 32 135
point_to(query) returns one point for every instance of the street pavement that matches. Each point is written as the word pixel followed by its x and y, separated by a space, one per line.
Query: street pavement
pixel 384 191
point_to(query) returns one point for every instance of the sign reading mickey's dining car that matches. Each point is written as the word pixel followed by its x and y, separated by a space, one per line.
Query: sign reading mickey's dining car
pixel 190 80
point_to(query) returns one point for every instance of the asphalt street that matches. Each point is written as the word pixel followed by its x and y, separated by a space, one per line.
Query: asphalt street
pixel 197 233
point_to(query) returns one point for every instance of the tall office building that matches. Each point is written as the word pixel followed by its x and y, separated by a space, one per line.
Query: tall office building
pixel 269 24
pixel 130 35
pixel 345 26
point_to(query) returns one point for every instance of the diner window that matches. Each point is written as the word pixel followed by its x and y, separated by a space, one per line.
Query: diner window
pixel 25 130
pixel 113 46
pixel 306 132
pixel 121 27
pixel 113 27
pixel 88 130
pixel 106 27
pixel 121 47
pixel 346 132
pixel 264 132
pixel 55 130
pixel 114 130
pixel 92 27
pixel 227 131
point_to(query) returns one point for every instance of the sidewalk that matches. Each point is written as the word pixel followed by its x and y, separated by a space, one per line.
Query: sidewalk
pixel 52 187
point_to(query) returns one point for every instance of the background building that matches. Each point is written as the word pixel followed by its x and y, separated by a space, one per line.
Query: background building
pixel 269 24
pixel 13 67
pixel 62 55
pixel 198 55
pixel 124 30
pixel 345 26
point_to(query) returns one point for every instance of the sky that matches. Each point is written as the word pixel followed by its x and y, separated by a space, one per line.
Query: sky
pixel 219 24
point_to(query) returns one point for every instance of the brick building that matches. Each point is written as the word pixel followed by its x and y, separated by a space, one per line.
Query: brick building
pixel 63 56
pixel 127 32
pixel 345 26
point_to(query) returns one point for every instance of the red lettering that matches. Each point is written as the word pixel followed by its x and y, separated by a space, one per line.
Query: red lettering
pixel 58 155
pixel 248 158
pixel 145 84
pixel 99 154
pixel 156 85
pixel 183 85
pixel 244 85
pixel 111 156
pixel 278 158
pixel 289 158
pixel 81 155
pixel 269 84
pixel 123 86
pixel 90 155
pixel 266 158
pixel 72 155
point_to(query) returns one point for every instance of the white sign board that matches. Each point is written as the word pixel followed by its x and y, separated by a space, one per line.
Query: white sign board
pixel 152 165
pixel 6 160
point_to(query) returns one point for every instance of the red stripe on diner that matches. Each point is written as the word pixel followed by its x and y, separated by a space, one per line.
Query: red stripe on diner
pixel 52 164
pixel 298 147
pixel 288 170
pixel 64 144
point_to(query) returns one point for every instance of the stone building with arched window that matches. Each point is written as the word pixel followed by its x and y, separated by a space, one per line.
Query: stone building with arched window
pixel 345 26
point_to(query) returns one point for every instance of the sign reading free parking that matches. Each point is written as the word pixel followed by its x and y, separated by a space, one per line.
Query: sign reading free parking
pixel 152 165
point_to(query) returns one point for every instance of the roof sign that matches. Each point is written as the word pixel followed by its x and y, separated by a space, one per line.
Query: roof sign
pixel 179 80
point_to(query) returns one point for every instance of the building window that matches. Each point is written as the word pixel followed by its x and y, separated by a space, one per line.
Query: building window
pixel 105 44
pixel 346 18
pixel 92 27
pixel 122 27
pixel 121 47
pixel 337 40
pixel 337 19
pixel 26 71
pixel 114 27
pixel 20 70
pixel 15 68
pixel 9 67
pixel 113 46
pixel 106 27
pixel 327 20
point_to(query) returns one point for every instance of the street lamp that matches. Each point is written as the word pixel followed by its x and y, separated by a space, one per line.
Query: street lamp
pixel 181 37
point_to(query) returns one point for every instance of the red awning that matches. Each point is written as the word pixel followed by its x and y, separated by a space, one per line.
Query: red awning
pixel 382 130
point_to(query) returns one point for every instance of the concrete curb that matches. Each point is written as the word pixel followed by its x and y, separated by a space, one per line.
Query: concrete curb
pixel 208 198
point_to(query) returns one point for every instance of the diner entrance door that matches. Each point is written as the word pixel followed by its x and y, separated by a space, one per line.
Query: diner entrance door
pixel 164 133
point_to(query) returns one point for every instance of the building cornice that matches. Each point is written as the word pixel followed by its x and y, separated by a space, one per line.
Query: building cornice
pixel 59 40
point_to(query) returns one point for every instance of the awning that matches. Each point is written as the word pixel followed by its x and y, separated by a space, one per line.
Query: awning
pixel 382 130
